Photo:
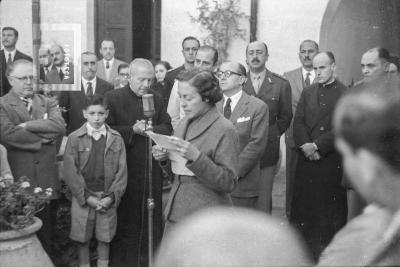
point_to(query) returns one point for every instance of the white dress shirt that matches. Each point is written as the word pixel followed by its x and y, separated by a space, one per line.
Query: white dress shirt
pixel 96 133
pixel 85 84
pixel 312 75
pixel 234 99
pixel 6 53
pixel 108 71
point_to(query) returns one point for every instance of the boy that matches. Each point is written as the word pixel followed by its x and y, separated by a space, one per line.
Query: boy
pixel 95 170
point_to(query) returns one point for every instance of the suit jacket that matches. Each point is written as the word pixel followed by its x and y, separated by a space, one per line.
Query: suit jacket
pixel 215 169
pixel 170 78
pixel 54 77
pixel 101 70
pixel 73 102
pixel 250 118
pixel 296 80
pixel 42 75
pixel 5 85
pixel 76 157
pixel 371 239
pixel 27 154
pixel 275 91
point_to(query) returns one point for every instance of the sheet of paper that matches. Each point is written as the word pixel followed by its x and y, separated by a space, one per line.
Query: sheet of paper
pixel 162 140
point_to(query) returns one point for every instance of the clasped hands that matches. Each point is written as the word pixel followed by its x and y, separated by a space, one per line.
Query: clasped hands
pixel 183 148
pixel 98 204
pixel 310 151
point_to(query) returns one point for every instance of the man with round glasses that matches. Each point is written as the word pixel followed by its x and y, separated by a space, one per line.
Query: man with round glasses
pixel 250 117
pixel 30 124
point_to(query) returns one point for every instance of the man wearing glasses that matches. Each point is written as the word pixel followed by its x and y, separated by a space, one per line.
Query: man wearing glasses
pixel 30 124
pixel 123 76
pixel 250 117
pixel 275 91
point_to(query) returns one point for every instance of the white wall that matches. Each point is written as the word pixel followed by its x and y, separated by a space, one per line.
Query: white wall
pixel 22 22
pixel 282 24
pixel 52 12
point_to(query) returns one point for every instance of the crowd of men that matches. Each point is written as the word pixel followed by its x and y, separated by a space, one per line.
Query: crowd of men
pixel 261 104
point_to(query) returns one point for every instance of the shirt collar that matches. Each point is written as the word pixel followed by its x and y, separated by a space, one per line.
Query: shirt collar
pixel 101 131
pixel 234 99
pixel 110 61
pixel 262 75
pixel 93 81
pixel 12 54
pixel 312 74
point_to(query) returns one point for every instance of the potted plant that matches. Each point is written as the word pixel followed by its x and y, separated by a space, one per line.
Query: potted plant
pixel 19 202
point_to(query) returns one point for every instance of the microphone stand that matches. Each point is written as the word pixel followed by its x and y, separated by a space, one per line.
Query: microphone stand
pixel 150 199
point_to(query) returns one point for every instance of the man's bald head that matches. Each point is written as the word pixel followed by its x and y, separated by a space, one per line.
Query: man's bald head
pixel 227 237
pixel 142 74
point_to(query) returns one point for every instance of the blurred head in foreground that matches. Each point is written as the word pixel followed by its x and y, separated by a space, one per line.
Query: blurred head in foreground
pixel 232 237
pixel 367 128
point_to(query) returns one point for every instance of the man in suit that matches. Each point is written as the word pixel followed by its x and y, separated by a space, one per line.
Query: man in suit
pixel 63 73
pixel 367 134
pixel 375 71
pixel 190 46
pixel 46 63
pixel 319 206
pixel 9 54
pixel 298 78
pixel 206 59
pixel 30 124
pixel 130 245
pixel 249 115
pixel 73 102
pixel 276 93
pixel 107 68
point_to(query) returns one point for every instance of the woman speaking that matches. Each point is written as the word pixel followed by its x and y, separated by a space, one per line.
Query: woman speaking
pixel 205 150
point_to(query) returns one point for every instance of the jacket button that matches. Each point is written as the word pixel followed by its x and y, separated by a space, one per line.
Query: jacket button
pixel 321 128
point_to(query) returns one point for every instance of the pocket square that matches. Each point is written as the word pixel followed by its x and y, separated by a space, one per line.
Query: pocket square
pixel 243 119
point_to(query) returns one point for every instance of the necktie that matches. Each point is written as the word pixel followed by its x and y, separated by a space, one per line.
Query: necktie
pixel 89 89
pixel 107 65
pixel 9 60
pixel 28 103
pixel 227 109
pixel 257 83
pixel 61 75
pixel 307 80
pixel 46 70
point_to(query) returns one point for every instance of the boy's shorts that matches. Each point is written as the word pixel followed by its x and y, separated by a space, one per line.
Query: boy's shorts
pixel 85 221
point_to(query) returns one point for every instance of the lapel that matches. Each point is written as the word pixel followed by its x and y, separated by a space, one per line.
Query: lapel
pixel 240 107
pixel 197 126
pixel 110 139
pixel 266 85
pixel 114 69
pixel 100 69
pixel 38 107
pixel 299 79
pixel 248 86
pixel 18 106
pixel 220 106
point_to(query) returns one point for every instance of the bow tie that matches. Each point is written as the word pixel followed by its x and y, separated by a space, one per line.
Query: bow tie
pixel 96 134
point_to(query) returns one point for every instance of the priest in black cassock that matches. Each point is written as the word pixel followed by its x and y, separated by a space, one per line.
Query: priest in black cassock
pixel 130 246
pixel 319 206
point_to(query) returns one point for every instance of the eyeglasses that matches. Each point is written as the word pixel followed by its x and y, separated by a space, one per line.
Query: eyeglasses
pixel 225 74
pixel 26 78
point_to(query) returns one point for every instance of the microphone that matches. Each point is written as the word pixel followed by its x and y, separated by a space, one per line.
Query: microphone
pixel 148 106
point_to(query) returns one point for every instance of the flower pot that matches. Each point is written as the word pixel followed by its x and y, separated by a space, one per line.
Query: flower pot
pixel 22 248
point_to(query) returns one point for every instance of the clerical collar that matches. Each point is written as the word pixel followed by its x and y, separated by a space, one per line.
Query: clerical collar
pixel 329 83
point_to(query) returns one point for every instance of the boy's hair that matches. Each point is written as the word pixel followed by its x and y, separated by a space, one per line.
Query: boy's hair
pixel 95 100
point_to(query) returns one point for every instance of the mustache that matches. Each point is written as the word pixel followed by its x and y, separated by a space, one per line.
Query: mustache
pixel 255 60
pixel 307 58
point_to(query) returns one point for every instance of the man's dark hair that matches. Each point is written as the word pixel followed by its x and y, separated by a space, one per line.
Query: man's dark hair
pixel 164 63
pixel 310 41
pixel 10 29
pixel 123 66
pixel 242 69
pixel 383 53
pixel 190 38
pixel 370 121
pixel 107 40
pixel 95 100
pixel 210 48
pixel 205 82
